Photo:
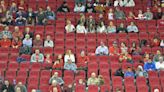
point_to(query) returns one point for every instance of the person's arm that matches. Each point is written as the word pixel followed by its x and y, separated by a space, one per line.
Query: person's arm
pixel 106 51
pixel 75 9
pixel 73 58
pixel 33 58
pixel 61 81
pixel 41 58
pixel 97 51
pixel 50 80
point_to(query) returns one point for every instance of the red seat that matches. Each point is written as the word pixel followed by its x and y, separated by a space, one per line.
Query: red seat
pixel 104 66
pixel 31 86
pixel 117 81
pixel 3 66
pixel 101 37
pixel 140 81
pixel 45 73
pixel 92 66
pixel 44 88
pixel 142 89
pixel 21 73
pixel 154 81
pixel 143 35
pixel 68 80
pixel 80 88
pixel 156 87
pixel 130 89
pixel 81 74
pixel 91 36
pixel 36 66
pixel 13 66
pixel 129 81
pixel 34 74
pixel 24 66
pixel 44 80
pixel 32 81
pixel 69 73
pixel 10 74
pixel 105 88
pixel 70 36
pixel 48 50
pixel 58 51
pixel 132 36
pixel 153 74
pixel 50 29
pixel 92 88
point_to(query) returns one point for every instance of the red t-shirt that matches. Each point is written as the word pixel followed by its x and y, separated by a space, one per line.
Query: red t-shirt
pixel 5 43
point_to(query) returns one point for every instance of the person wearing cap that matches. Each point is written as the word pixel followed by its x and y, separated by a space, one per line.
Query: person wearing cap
pixel 56 77
pixel 129 72
pixel 37 56
pixel 70 66
pixel 102 49
pixel 5 42
pixel 27 41
pixel 160 63
pixel 114 50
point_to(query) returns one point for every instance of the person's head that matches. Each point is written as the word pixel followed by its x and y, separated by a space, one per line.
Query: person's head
pixel 48 55
pixel 59 56
pixel 90 17
pixel 56 74
pixel 69 52
pixel 123 44
pixel 7 82
pixel 27 36
pixel 37 51
pixel 48 8
pixel 89 4
pixel 33 90
pixel 64 3
pixel 37 37
pixel 93 75
pixel 158 52
pixel 122 25
pixel 81 24
pixel 132 23
pixel 100 77
pixel 68 22
pixel 140 68
pixel 102 44
pixel 5 37
pixel 156 90
pixel 48 37
pixel 81 81
pixel 111 23
pixel 148 10
pixel 30 9
pixel 161 59
pixel 159 10
pixel 131 13
pixel 18 89
pixel 140 11
pixel 82 53
pixel 40 9
pixel 55 89
pixel 6 28
pixel 79 4
pixel 129 69
pixel 101 16
pixel 27 29
pixel 118 90
pixel 20 83
pixel 133 44
pixel 101 23
pixel 149 61
pixel 147 55
pixel 110 10
pixel 54 83
pixel 16 28
pixel 13 4
pixel 155 39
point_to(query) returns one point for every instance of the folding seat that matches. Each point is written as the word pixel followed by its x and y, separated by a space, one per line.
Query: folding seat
pixel 141 81
pixel 59 37
pixel 92 66
pixel 114 67
pixel 104 66
pixel 103 58
pixel 59 44
pixel 13 66
pixel 79 49
pixel 162 35
pixel 101 37
pixel 60 16
pixel 151 22
pixel 45 73
pixel 125 65
pixel 113 59
pixel 25 66
pixel 162 81
pixel 4 50
pixel 129 81
pixel 130 89
pixel 90 36
pixel 34 74
pixel 60 73
pixel 10 74
pixel 146 49
pixel 80 36
pixel 21 73
pixel 90 72
pixel 44 80
pixel 105 88
pixel 143 35
pixel 142 89
pixel 93 88
pixel 48 50
pixel 69 73
pixel 91 44
pixel 70 36
pixel 32 86
pixel 33 81
pixel 44 88
pixel 154 49
pixel 27 57
pixel 68 80
pixel 117 87
pixel 70 44
pixel 14 51
pixel 154 81
pixel 152 88
pixel 13 57
pixel 122 36
pixel 116 81
pixel 36 66
pixel 112 36
pixel 104 73
pixel 133 36
pixel 80 43
pixel 92 58
pixel 39 30
pixel 161 74
pixel 110 42
pixel 49 29
pixel 32 5
pixel 21 79
pixel 3 66
pixel 153 34
pixel 58 51
pixel 152 28
pixel 153 74
pixel 70 16
pixel 120 21
pixel 80 88
pixel 137 58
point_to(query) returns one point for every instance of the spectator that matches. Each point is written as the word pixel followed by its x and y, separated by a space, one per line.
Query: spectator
pixel 102 49
pixel 108 3
pixel 1 81
pixel 161 21
pixel 123 47
pixel 114 50
pixel 8 19
pixel 17 33
pixel 5 42
pixel 140 16
pixel 13 8
pixel 132 27
pixel 48 42
pixel 3 5
pixel 80 82
pixel 27 41
pixel 83 58
pixel 121 28
pixel 93 80
pixel 148 14
pixel 155 42
pixel 27 31
pixel 79 7
pixel 20 87
pixel 125 57
pixel 69 65
pixel 56 77
pixel 118 90
pixel 129 72
pixel 54 87
pixel 140 72
pixel 58 64
pixel 82 19
pixel 100 80
pixel 90 24
pixel 160 64
pixel 80 28
pixel 146 57
pixel 7 87
pixel 16 43
pixel 149 66
pixel 82 1
pixel 118 3
pixel 20 21
pixel 69 56
pixel 31 16
pixel 158 14
pixel 41 18
pixel 48 59
pixel 69 27
pixel 37 56
pixel 135 49
pixel 111 28
pixel 63 8
pixel 130 16
pixel 156 56
pixel 101 27
pixel 6 32
pixel 91 28
pixel 20 12
pixel 22 3
pixel 162 43
pixel 129 3
pixel 89 8
pixel 49 13
pixel 38 42
pixel 119 72
pixel 110 14
pixel 99 7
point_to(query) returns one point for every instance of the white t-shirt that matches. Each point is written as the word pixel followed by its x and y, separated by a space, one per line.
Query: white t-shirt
pixel 80 29
pixel 69 57
pixel 79 9
pixel 159 65
pixel 69 28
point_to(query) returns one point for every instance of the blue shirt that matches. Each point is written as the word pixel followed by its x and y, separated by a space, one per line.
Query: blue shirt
pixel 149 66
pixel 129 74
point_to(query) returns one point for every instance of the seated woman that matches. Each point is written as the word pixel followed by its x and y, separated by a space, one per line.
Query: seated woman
pixel 37 56
pixel 48 59
pixel 82 59
pixel 123 47
pixel 140 72
pixel 129 73
pixel 79 7
pixel 130 16
pixel 146 57
pixel 135 50
pixel 16 42
pixel 58 64
pixel 48 42
pixel 110 14
pixel 69 27
pixel 101 27
pixel 111 28
pixel 69 56
pixel 37 42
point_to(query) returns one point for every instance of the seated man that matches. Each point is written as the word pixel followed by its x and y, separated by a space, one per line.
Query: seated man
pixel 125 57
pixel 5 42
pixel 149 65
pixel 38 42
pixel 70 66
pixel 93 80
pixel 160 64
pixel 56 77
pixel 102 49
pixel 129 73
pixel 37 56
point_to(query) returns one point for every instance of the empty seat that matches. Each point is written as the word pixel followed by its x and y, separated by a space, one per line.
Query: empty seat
pixel 92 88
